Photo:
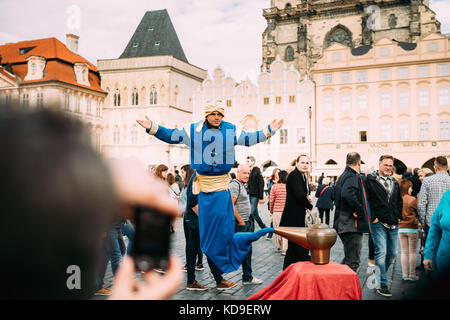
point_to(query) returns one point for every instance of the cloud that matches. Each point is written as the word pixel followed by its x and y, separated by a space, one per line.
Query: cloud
pixel 212 32
pixel 442 10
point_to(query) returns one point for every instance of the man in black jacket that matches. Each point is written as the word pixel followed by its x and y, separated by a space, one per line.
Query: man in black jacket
pixel 351 217
pixel 297 201
pixel 386 205
pixel 256 192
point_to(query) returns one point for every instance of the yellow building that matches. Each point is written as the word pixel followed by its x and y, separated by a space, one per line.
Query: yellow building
pixel 392 99
pixel 277 94
pixel 42 72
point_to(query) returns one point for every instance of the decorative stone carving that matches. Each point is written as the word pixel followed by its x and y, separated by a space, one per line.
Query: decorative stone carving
pixel 339 34
pixel 301 34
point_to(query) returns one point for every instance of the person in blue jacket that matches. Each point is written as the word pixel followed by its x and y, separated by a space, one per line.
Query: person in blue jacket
pixel 437 246
pixel 212 142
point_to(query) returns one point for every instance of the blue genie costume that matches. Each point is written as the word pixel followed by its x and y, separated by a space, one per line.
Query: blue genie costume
pixel 212 155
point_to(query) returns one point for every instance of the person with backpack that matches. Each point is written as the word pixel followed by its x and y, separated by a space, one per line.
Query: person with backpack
pixel 325 195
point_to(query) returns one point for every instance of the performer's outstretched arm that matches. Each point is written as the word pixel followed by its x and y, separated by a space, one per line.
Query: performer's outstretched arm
pixel 249 139
pixel 172 136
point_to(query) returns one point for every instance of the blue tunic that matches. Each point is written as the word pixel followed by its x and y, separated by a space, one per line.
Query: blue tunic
pixel 212 153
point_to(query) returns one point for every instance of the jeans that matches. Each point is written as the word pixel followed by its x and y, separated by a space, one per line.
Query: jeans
pixel 216 272
pixel 199 254
pixel 352 242
pixel 192 235
pixel 254 215
pixel 385 241
pixel 247 262
pixel 371 248
pixel 128 230
pixel 111 251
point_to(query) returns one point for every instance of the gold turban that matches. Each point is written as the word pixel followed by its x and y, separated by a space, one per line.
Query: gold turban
pixel 212 107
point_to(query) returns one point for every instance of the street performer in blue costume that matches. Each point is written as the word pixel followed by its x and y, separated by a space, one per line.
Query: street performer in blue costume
pixel 212 155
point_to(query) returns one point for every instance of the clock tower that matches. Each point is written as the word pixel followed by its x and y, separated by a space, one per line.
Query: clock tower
pixel 299 30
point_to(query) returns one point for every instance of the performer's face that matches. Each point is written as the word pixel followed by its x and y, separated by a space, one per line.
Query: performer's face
pixel 215 119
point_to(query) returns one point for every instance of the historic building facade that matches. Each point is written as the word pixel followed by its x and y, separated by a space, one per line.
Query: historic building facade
pixel 388 100
pixel 47 72
pixel 277 94
pixel 300 30
pixel 151 78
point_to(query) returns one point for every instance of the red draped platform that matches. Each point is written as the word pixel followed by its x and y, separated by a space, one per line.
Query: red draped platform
pixel 308 281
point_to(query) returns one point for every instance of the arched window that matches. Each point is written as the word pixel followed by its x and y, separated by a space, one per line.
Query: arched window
pixel 392 21
pixel 116 98
pixel 331 161
pixel 289 54
pixel 288 6
pixel 134 97
pixel 339 34
pixel 153 95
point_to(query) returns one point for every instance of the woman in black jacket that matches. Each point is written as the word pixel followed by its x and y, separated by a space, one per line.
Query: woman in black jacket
pixel 297 201
pixel 325 195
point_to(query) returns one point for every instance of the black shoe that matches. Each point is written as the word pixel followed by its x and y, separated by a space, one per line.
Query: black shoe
pixel 199 267
pixel 384 291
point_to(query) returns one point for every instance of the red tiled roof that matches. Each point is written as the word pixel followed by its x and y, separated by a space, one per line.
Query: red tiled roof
pixel 59 64
pixel 7 74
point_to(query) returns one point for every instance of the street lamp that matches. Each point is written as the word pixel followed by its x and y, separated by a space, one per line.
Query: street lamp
pixel 310 135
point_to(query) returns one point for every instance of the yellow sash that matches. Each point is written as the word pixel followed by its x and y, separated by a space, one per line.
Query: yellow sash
pixel 204 183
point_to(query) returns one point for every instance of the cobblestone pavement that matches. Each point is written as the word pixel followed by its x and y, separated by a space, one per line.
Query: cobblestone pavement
pixel 267 264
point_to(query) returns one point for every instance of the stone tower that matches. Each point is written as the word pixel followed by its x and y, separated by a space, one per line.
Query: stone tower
pixel 299 30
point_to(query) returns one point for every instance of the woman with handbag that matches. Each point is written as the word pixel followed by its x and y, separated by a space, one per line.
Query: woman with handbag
pixel 297 202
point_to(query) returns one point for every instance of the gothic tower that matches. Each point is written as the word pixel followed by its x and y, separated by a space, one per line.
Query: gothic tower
pixel 299 30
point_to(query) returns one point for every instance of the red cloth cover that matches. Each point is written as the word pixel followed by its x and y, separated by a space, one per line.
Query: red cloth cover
pixel 308 281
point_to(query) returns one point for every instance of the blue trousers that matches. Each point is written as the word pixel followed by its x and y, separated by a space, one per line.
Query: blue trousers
pixel 191 231
pixel 218 240
pixel 254 214
pixel 247 262
pixel 385 242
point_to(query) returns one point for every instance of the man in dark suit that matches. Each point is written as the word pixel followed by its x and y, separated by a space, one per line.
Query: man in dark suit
pixel 351 218
pixel 297 201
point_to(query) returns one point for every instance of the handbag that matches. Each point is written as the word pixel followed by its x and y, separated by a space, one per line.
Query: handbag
pixel 310 218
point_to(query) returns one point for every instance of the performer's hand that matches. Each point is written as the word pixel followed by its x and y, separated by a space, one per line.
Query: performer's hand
pixel 145 123
pixel 274 125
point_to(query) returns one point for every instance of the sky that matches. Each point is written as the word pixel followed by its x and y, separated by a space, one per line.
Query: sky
pixel 225 33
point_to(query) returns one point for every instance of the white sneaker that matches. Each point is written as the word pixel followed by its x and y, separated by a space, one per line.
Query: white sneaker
pixel 254 281
pixel 413 278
